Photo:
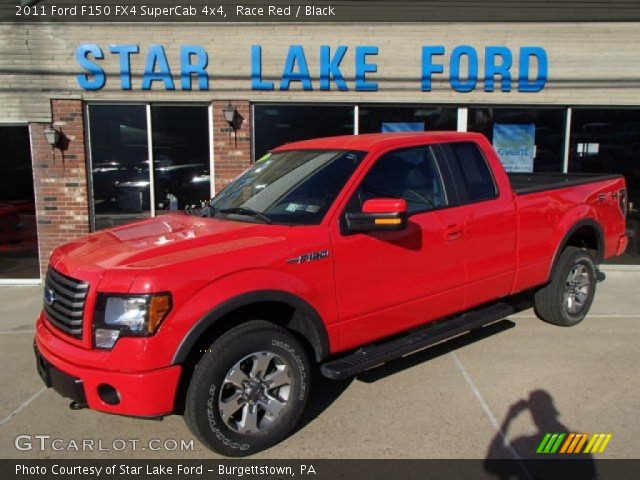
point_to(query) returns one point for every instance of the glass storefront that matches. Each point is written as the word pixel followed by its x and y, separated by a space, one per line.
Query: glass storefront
pixel 548 130
pixel 120 174
pixel 119 164
pixel 180 156
pixel 18 232
pixel 383 118
pixel 608 141
pixel 601 141
pixel 276 125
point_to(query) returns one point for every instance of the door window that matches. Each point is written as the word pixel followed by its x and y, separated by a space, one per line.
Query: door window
pixel 411 174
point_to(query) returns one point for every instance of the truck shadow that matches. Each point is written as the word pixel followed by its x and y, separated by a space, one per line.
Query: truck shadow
pixel 326 391
pixel 404 363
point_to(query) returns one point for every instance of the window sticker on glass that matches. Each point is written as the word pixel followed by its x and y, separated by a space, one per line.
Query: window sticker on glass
pixel 299 207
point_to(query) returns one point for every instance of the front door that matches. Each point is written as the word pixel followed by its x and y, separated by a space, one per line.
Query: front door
pixel 392 281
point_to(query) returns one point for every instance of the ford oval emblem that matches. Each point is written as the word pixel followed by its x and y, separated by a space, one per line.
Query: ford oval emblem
pixel 49 296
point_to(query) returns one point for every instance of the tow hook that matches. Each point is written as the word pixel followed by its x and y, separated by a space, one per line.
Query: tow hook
pixel 77 405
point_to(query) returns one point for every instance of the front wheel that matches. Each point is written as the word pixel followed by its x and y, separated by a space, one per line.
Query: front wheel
pixel 248 390
pixel 566 300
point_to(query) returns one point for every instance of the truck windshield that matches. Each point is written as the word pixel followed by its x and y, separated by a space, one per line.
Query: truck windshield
pixel 292 187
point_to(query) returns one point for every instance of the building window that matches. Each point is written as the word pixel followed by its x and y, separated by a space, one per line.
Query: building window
pixel 527 139
pixel 180 156
pixel 119 163
pixel 120 154
pixel 382 118
pixel 608 141
pixel 275 125
pixel 18 233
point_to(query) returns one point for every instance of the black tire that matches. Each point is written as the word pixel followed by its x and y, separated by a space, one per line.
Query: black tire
pixel 210 389
pixel 550 302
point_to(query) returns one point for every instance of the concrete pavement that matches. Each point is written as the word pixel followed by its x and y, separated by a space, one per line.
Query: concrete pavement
pixel 491 394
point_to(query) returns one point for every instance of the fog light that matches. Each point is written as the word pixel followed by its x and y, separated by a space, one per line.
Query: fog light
pixel 106 338
pixel 108 394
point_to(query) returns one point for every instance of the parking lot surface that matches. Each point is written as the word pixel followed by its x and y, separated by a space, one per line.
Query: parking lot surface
pixel 491 394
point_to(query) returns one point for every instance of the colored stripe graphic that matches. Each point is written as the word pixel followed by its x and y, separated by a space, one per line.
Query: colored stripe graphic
pixel 543 443
pixel 556 446
pixel 574 443
pixel 550 443
pixel 581 443
pixel 605 443
pixel 567 443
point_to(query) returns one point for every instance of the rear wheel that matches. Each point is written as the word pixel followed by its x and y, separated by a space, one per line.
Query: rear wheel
pixel 248 390
pixel 566 300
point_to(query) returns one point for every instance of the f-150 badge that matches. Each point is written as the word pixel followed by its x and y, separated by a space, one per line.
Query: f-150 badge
pixel 310 257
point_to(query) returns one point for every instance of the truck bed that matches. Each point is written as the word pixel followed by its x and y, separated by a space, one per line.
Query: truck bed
pixel 524 183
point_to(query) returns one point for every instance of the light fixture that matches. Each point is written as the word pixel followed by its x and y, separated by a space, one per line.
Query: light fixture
pixel 232 117
pixel 52 136
pixel 229 113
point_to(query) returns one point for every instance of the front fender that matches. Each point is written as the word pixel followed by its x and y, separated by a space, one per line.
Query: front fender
pixel 250 286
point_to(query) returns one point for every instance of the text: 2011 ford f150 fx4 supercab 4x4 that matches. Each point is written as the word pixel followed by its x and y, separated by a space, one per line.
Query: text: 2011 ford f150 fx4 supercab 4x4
pixel 341 252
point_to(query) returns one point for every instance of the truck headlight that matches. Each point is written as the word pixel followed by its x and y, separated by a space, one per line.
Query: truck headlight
pixel 128 316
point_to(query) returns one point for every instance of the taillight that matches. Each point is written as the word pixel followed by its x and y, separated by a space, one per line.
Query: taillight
pixel 622 198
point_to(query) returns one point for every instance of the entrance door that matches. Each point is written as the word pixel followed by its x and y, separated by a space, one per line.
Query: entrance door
pixel 394 280
pixel 18 233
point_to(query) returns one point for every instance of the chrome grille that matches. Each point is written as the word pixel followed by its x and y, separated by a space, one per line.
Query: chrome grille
pixel 64 299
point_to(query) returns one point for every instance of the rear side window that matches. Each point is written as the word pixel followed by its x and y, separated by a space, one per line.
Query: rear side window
pixel 471 168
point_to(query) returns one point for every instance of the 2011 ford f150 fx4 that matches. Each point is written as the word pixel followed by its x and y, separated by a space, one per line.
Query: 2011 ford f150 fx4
pixel 342 252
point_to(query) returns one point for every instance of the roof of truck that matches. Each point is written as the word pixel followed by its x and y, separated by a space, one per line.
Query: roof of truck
pixel 377 140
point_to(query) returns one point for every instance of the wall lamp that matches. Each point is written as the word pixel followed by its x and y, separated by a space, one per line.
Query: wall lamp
pixel 233 117
pixel 52 136
pixel 57 139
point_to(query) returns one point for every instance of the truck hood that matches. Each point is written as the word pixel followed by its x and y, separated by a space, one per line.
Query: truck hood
pixel 163 240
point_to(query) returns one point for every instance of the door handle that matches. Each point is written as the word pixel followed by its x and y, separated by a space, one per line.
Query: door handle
pixel 453 232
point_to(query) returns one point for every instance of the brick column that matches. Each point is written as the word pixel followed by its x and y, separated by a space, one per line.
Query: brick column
pixel 232 153
pixel 60 180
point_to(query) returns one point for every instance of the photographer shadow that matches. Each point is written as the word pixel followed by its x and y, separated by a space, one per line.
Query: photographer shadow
pixel 519 457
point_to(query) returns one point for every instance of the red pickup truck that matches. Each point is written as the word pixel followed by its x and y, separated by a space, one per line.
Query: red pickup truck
pixel 341 252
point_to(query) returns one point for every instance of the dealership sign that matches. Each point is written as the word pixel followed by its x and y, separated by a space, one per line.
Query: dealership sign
pixel 462 70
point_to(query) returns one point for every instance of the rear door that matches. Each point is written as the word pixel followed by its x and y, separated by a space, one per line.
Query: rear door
pixel 390 281
pixel 490 226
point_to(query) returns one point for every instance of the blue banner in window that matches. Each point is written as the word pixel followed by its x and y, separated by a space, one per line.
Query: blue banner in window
pixel 516 146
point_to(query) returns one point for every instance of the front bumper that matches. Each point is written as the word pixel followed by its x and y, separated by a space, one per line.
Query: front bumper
pixel 140 394
pixel 65 385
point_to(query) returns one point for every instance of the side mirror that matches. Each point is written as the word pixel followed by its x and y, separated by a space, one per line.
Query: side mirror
pixel 379 214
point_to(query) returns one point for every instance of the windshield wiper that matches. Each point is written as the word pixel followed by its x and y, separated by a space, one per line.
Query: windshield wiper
pixel 246 211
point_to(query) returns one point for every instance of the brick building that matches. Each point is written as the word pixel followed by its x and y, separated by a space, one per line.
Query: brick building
pixel 130 153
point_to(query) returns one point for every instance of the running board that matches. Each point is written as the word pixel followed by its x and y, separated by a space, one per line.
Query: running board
pixel 379 353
